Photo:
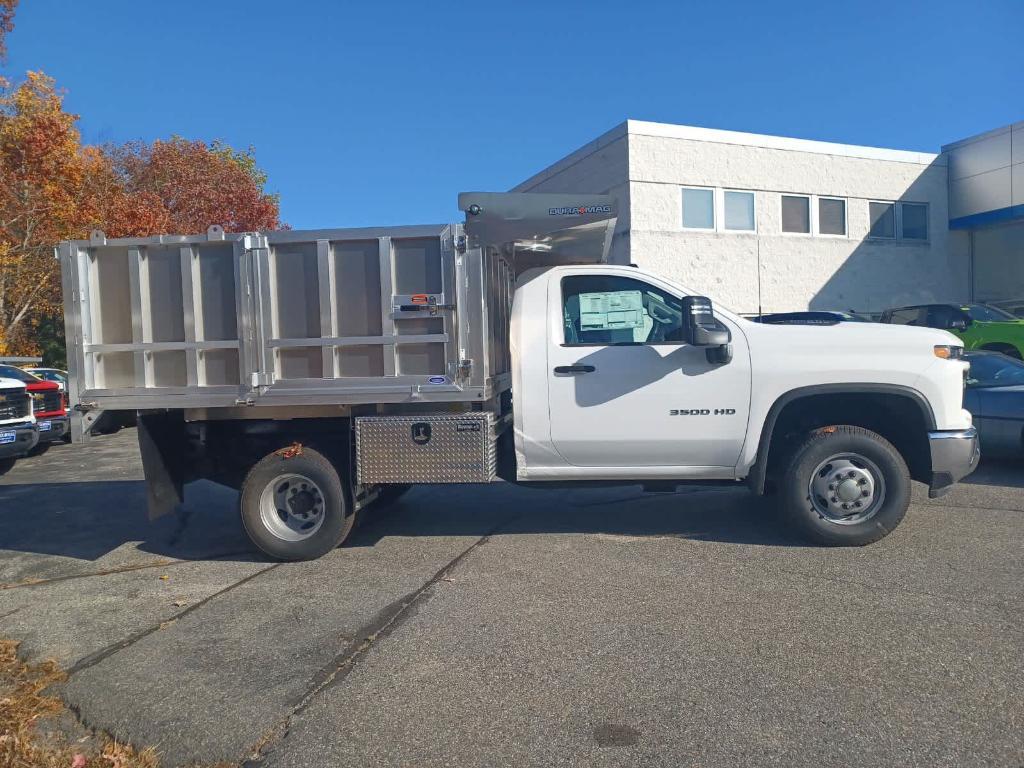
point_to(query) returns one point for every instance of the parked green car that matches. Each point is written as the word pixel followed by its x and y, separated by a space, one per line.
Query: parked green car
pixel 981 326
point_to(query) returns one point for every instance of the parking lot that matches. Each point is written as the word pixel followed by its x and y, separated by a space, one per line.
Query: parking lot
pixel 481 626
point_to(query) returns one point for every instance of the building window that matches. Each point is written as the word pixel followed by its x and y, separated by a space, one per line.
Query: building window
pixel 883 220
pixel 738 211
pixel 831 216
pixel 698 208
pixel 796 214
pixel 914 221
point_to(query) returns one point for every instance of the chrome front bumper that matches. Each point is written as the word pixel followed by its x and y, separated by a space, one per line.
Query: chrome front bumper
pixel 954 456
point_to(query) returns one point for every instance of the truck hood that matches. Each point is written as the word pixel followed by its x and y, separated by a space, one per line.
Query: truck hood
pixel 6 384
pixel 42 386
pixel 872 355
pixel 857 334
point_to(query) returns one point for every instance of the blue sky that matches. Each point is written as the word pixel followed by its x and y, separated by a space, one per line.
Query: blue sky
pixel 381 112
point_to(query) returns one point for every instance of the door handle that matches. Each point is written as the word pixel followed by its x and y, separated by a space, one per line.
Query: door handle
pixel 574 369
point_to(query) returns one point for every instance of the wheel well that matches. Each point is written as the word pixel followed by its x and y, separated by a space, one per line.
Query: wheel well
pixel 898 418
pixel 224 451
pixel 1006 349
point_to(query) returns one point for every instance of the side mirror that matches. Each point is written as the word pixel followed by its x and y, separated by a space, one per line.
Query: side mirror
pixel 699 324
pixel 960 324
pixel 702 330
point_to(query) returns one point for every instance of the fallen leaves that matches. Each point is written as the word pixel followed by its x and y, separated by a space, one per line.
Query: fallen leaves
pixel 24 703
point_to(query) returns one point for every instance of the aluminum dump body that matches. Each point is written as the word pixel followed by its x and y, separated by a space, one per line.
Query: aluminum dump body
pixel 317 317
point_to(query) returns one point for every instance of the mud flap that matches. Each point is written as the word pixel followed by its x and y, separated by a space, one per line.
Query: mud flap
pixel 162 446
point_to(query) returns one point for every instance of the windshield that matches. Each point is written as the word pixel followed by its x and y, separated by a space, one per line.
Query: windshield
pixel 983 313
pixel 10 372
pixel 994 371
pixel 50 376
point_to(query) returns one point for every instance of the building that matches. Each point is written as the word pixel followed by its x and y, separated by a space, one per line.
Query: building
pixel 986 202
pixel 778 224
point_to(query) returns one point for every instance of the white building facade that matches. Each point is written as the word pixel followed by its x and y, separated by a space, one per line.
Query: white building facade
pixel 773 224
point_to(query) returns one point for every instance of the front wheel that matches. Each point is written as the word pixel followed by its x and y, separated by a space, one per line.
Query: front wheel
pixel 293 505
pixel 845 486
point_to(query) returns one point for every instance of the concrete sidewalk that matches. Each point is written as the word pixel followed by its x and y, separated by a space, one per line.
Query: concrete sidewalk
pixel 501 625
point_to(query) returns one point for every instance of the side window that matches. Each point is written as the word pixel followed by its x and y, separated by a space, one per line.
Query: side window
pixel 609 309
pixel 912 316
pixel 942 317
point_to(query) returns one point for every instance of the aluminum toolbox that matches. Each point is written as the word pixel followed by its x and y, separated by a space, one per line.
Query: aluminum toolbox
pixel 426 449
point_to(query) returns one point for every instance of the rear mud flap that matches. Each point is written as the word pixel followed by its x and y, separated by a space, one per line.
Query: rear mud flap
pixel 162 445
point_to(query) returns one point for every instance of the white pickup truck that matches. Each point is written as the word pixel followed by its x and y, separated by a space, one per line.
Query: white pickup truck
pixel 319 372
pixel 18 431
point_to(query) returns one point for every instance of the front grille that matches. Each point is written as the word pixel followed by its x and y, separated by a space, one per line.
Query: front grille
pixel 13 406
pixel 48 402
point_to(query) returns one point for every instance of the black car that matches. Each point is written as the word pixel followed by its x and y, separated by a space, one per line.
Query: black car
pixel 995 397
pixel 812 317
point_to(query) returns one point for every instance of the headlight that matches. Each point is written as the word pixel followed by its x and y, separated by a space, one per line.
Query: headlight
pixel 948 351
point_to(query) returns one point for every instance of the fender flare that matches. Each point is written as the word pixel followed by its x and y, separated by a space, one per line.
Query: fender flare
pixel 758 472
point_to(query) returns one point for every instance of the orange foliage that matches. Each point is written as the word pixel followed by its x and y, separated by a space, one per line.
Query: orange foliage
pixel 40 177
pixel 52 189
pixel 6 24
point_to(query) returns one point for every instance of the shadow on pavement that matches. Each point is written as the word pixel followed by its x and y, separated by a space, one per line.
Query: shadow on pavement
pixel 87 520
pixel 730 516
pixel 1006 473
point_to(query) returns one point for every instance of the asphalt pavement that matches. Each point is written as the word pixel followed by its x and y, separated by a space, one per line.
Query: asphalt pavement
pixel 483 626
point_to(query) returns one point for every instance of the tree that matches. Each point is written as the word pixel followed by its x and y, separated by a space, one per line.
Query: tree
pixel 6 24
pixel 42 172
pixel 195 184
pixel 53 189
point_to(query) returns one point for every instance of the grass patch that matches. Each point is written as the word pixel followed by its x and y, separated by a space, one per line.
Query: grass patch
pixel 25 707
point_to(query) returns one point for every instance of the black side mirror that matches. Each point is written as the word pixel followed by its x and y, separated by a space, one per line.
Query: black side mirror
pixel 702 330
pixel 699 324
pixel 960 324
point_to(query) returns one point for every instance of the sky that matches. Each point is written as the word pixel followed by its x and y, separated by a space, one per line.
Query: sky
pixel 379 113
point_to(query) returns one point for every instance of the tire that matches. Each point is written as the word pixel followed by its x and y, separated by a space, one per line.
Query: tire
pixel 845 486
pixel 295 508
pixel 7 464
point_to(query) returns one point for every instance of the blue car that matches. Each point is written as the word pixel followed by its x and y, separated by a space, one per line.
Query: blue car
pixel 995 397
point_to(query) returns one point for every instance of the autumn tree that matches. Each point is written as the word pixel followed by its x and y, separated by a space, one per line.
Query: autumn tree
pixel 41 175
pixel 7 8
pixel 52 188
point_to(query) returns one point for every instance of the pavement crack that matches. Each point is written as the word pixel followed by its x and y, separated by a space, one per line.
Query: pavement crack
pixel 11 612
pixel 383 624
pixel 26 583
pixel 105 653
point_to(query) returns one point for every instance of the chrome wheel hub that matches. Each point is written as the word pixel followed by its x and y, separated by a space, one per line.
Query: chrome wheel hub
pixel 292 507
pixel 846 489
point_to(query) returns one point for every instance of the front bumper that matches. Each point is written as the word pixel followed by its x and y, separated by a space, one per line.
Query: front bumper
pixel 59 426
pixel 25 438
pixel 955 455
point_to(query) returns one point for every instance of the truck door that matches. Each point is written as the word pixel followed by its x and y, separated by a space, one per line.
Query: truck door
pixel 625 390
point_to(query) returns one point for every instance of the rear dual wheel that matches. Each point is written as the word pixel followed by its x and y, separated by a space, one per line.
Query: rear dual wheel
pixel 845 486
pixel 294 505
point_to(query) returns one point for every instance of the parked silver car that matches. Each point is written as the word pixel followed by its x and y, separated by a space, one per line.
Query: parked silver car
pixel 995 397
